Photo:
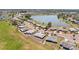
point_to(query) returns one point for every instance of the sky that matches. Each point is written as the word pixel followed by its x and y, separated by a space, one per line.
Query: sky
pixel 43 4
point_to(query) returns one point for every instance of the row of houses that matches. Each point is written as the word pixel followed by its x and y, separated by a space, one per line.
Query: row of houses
pixel 51 34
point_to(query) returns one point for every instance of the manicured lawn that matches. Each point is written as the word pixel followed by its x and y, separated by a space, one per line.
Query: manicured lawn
pixel 12 39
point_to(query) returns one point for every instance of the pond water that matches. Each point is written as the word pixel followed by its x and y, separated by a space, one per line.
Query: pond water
pixel 49 18
pixel 1 17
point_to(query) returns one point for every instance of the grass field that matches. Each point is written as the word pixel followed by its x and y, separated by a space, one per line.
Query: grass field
pixel 12 39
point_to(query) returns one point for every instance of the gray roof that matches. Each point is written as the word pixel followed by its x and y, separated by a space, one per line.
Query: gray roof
pixel 77 29
pixel 72 29
pixel 40 35
pixel 30 31
pixel 23 29
pixel 68 45
pixel 77 22
pixel 51 38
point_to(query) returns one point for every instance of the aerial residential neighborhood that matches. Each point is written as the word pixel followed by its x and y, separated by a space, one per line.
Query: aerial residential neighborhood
pixel 39 29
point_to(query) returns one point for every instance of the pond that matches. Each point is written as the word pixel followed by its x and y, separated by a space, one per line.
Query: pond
pixel 2 17
pixel 49 18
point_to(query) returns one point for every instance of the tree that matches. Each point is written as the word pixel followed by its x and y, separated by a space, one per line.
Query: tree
pixel 77 19
pixel 43 23
pixel 58 16
pixel 14 22
pixel 22 11
pixel 48 25
pixel 28 16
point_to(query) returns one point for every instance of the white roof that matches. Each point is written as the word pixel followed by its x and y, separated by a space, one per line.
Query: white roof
pixel 72 29
pixel 77 29
pixel 41 31
pixel 30 31
pixel 23 29
pixel 21 26
pixel 39 34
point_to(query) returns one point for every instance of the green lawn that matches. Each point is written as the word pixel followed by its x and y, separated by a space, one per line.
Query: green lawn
pixel 12 39
pixel 8 40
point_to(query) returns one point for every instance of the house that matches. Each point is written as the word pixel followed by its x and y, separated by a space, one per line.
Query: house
pixel 68 45
pixel 23 29
pixel 77 29
pixel 70 18
pixel 60 33
pixel 54 32
pixel 21 26
pixel 30 31
pixel 77 38
pixel 69 37
pixel 72 29
pixel 51 39
pixel 40 35
pixel 77 22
